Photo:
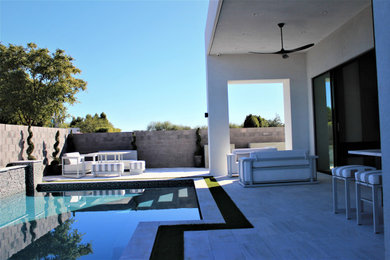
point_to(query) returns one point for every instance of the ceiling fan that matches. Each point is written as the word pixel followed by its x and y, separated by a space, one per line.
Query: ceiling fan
pixel 282 51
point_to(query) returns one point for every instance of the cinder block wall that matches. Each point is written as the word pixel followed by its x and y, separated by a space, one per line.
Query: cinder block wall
pixel 94 142
pixel 168 148
pixel 158 148
pixel 13 142
pixel 241 137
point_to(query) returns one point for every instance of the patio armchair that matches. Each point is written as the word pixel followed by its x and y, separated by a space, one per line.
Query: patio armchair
pixel 277 167
pixel 233 158
pixel 73 165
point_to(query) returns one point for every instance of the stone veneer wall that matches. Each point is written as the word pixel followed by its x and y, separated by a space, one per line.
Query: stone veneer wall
pixel 12 181
pixel 13 142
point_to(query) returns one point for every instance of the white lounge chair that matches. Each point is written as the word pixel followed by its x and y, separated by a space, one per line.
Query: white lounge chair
pixel 278 167
pixel 73 165
pixel 232 158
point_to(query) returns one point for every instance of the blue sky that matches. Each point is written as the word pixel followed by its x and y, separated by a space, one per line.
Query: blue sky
pixel 144 60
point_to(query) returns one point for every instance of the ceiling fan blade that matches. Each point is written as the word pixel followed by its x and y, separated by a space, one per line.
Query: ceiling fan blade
pixel 299 48
pixel 254 52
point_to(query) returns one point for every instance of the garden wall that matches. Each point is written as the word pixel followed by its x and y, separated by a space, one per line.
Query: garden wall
pixel 13 142
pixel 165 149
pixel 160 149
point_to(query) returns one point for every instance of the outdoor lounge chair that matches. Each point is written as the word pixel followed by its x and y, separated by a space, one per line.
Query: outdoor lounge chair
pixel 73 165
pixel 277 167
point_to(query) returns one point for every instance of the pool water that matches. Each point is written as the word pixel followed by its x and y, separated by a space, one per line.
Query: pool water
pixel 86 224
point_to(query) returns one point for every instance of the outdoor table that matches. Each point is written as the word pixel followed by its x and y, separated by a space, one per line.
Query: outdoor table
pixel 116 155
pixel 369 152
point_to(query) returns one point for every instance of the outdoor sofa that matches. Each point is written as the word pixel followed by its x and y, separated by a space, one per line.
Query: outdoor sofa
pixel 233 158
pixel 277 167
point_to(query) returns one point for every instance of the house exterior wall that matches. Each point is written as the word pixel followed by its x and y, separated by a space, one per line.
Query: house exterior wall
pixel 382 42
pixel 224 68
pixel 349 41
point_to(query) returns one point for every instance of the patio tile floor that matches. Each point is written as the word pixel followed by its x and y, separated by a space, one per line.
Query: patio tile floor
pixel 290 222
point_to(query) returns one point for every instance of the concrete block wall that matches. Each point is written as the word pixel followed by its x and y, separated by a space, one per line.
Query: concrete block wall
pixel 242 137
pixel 165 149
pixel 13 142
pixel 94 142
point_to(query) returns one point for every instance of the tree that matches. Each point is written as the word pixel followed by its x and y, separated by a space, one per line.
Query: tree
pixel 276 122
pixel 93 124
pixel 262 122
pixel 165 126
pixel 251 121
pixel 35 84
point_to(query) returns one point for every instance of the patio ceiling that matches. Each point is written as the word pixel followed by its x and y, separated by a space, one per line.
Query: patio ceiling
pixel 244 26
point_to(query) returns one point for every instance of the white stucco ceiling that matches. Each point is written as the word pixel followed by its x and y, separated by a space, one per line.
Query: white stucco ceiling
pixel 251 25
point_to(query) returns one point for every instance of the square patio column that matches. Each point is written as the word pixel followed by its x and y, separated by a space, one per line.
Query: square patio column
pixel 381 9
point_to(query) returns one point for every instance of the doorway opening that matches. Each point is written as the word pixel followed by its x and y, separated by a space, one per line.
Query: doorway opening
pixel 263 104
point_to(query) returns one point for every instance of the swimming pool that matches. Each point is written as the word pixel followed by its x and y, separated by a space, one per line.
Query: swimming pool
pixel 87 224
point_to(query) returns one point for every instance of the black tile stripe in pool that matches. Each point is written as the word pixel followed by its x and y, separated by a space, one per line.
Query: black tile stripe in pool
pixel 169 242
pixel 114 185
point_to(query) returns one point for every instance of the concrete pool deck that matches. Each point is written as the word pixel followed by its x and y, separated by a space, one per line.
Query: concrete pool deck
pixel 290 222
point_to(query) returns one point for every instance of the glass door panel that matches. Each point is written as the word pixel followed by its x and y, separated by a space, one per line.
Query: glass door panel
pixel 323 122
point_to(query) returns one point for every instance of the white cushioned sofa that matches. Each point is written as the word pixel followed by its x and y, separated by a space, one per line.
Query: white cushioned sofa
pixel 277 167
pixel 233 158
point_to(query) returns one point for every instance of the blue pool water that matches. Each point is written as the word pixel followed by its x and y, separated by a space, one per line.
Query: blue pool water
pixel 86 224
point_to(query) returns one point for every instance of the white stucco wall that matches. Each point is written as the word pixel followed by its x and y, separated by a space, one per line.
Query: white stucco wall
pixel 382 43
pixel 349 41
pixel 224 68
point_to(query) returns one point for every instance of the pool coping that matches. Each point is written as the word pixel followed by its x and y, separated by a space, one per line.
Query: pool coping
pixel 141 243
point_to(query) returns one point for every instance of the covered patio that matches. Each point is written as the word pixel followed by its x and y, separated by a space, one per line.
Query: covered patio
pixel 342 32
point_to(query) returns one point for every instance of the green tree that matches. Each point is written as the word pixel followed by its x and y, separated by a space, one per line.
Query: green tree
pixel 251 121
pixel 35 84
pixel 233 125
pixel 93 124
pixel 56 160
pixel 262 122
pixel 276 122
pixel 165 126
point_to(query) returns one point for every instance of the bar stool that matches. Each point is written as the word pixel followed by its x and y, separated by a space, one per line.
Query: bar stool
pixel 346 174
pixel 373 180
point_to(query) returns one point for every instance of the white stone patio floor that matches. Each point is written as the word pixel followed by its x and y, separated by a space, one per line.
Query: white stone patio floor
pixel 290 222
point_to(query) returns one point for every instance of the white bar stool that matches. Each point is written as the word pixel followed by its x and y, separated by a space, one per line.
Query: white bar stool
pixel 346 174
pixel 373 180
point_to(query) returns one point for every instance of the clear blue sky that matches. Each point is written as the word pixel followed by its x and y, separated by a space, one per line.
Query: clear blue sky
pixel 143 60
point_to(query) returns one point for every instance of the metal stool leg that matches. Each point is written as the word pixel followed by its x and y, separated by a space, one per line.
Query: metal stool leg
pixel 359 205
pixel 347 200
pixel 375 208
pixel 334 185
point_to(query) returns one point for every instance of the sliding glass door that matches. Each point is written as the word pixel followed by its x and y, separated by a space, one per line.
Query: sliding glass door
pixel 346 113
pixel 323 122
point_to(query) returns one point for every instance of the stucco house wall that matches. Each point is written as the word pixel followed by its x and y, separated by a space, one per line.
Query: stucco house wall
pixel 237 67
